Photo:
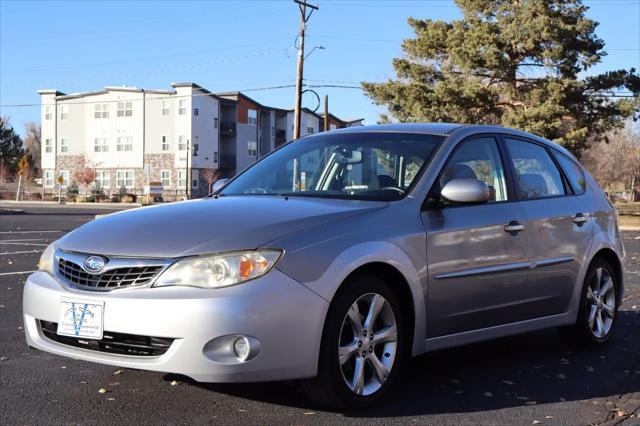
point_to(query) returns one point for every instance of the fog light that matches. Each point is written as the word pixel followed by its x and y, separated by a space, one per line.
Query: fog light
pixel 241 348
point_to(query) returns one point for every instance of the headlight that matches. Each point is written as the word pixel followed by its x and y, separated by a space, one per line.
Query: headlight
pixel 46 260
pixel 220 270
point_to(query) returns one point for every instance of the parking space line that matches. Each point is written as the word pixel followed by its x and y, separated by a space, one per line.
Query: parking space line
pixel 27 232
pixel 16 273
pixel 20 252
pixel 23 244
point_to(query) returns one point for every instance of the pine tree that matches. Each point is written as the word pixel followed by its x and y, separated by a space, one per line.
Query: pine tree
pixel 515 63
pixel 11 150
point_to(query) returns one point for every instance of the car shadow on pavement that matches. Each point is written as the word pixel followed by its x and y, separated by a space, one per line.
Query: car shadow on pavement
pixel 529 369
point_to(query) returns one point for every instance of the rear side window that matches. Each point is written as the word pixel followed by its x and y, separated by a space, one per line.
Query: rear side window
pixel 536 173
pixel 573 172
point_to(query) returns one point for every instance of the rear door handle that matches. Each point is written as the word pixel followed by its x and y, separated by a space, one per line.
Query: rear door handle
pixel 514 227
pixel 580 218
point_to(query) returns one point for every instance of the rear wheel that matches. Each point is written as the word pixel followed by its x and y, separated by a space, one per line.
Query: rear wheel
pixel 363 345
pixel 598 306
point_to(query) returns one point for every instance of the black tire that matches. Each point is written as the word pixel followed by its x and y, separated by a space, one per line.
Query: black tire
pixel 580 334
pixel 329 387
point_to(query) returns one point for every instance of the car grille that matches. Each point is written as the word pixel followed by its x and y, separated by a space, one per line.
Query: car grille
pixel 113 278
pixel 114 343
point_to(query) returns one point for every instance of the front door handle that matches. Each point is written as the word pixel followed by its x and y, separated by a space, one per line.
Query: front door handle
pixel 514 227
pixel 579 218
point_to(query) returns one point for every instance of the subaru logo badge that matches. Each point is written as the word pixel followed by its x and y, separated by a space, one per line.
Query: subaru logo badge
pixel 94 264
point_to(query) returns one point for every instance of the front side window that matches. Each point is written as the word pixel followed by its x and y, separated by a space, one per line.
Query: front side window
pixel 125 109
pixel 364 166
pixel 64 145
pixel 48 145
pixel 48 112
pixel 182 107
pixel 64 112
pixel 478 158
pixel 574 173
pixel 252 117
pixel 100 145
pixel 536 173
pixel 101 111
pixel 124 144
pixel 195 174
pixel 310 130
pixel 124 178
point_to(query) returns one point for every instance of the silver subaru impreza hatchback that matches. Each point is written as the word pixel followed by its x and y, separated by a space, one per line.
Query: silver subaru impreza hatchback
pixel 337 257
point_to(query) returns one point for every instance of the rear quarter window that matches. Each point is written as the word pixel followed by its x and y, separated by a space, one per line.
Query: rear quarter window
pixel 574 173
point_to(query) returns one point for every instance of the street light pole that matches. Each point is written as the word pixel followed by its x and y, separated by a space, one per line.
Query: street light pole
pixel 304 17
pixel 186 175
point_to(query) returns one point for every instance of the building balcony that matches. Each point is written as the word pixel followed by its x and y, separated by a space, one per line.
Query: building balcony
pixel 227 128
pixel 281 136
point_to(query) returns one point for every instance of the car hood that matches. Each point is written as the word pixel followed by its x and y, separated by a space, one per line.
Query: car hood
pixel 208 225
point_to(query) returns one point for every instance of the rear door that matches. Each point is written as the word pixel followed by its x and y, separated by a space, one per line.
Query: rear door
pixel 557 223
pixel 478 269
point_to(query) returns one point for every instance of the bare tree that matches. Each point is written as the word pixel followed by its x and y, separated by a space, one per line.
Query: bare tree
pixel 616 164
pixel 210 176
pixel 85 174
pixel 33 146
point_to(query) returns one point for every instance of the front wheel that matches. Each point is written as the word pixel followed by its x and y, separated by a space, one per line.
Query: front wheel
pixel 363 345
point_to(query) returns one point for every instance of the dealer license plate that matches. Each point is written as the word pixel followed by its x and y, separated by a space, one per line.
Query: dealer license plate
pixel 80 319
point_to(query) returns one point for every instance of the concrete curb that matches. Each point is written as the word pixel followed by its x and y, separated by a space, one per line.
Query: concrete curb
pixel 629 228
pixel 71 203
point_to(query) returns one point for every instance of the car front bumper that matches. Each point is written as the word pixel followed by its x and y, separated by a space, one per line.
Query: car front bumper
pixel 283 315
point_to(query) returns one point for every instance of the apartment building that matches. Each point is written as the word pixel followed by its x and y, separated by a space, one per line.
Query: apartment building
pixel 178 137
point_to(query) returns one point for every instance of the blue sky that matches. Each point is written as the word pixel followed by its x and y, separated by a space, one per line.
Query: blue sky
pixel 229 45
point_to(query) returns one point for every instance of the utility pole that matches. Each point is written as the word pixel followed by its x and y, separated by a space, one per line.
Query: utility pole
pixel 326 112
pixel 304 17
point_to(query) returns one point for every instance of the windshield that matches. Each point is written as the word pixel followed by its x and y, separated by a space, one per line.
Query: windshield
pixel 358 166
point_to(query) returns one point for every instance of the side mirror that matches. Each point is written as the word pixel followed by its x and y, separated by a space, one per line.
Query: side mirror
pixel 218 185
pixel 466 191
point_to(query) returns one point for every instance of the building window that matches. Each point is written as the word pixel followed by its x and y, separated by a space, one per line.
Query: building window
pixel 48 179
pixel 48 112
pixel 310 130
pixel 103 179
pixel 64 112
pixel 100 145
pixel 166 110
pixel 252 149
pixel 48 146
pixel 65 177
pixel 124 144
pixel 64 145
pixel 215 157
pixel 195 174
pixel 182 107
pixel 215 123
pixel 195 146
pixel 124 178
pixel 165 178
pixel 125 109
pixel 252 117
pixel 101 111
pixel 196 112
pixel 182 143
pixel 182 178
pixel 166 145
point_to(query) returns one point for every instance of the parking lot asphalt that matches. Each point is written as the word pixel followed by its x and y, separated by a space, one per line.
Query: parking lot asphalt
pixel 529 379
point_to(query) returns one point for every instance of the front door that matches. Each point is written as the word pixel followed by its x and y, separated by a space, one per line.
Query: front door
pixel 477 254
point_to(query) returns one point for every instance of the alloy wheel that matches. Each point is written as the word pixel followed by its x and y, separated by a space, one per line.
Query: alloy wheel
pixel 601 303
pixel 368 344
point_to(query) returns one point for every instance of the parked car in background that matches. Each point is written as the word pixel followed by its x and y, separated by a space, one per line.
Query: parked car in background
pixel 336 258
